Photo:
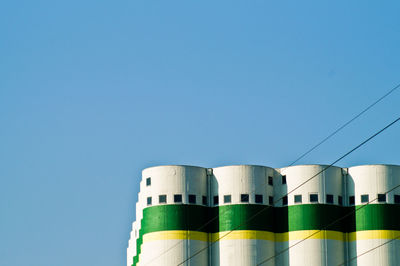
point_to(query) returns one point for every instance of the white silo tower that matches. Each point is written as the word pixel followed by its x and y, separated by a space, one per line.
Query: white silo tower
pixel 309 208
pixel 377 222
pixel 239 192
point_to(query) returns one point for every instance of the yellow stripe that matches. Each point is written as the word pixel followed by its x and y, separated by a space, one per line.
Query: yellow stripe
pixel 277 237
pixel 374 234
pixel 175 234
pixel 309 234
pixel 243 234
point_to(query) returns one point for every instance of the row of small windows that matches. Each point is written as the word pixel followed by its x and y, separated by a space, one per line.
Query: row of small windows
pixel 270 180
pixel 313 198
pixel 227 199
pixel 258 198
pixel 244 198
pixel 330 199
pixel 192 199
pixel 381 198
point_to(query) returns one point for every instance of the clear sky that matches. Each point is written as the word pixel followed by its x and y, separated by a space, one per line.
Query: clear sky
pixel 92 92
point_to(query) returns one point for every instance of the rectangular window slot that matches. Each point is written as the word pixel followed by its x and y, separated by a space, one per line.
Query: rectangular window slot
pixel 365 198
pixel 271 200
pixel 340 200
pixel 215 200
pixel 192 199
pixel 148 181
pixel 177 198
pixel 259 198
pixel 227 199
pixel 297 199
pixel 351 200
pixel 283 179
pixel 314 198
pixel 270 181
pixel 284 201
pixel 244 197
pixel 148 201
pixel 329 199
pixel 381 197
pixel 397 199
pixel 204 200
pixel 162 199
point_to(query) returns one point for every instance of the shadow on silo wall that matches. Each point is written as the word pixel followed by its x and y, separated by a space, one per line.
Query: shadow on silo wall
pixel 317 217
pixel 350 225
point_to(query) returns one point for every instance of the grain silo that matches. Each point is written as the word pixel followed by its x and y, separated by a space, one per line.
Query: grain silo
pixel 256 215
pixel 379 221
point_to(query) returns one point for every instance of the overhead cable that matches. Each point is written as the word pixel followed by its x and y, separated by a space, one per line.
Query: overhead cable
pixel 303 155
pixel 326 227
pixel 309 179
pixel 345 124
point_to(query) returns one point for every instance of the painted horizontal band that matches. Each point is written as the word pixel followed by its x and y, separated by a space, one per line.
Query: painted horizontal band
pixel 270 219
pixel 373 234
pixel 175 235
pixel 310 234
pixel 243 234
pixel 373 221
pixel 277 237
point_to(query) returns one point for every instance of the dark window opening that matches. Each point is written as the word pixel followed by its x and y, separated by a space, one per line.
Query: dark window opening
pixel 329 198
pixel 271 200
pixel 162 199
pixel 177 198
pixel 244 197
pixel 215 200
pixel 283 179
pixel 284 201
pixel 351 200
pixel 313 197
pixel 204 200
pixel 297 199
pixel 259 198
pixel 381 197
pixel 148 181
pixel 148 200
pixel 192 199
pixel 227 199
pixel 340 200
pixel 364 198
pixel 270 181
pixel 397 199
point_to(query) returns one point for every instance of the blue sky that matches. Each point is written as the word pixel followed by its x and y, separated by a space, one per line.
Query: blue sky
pixel 92 92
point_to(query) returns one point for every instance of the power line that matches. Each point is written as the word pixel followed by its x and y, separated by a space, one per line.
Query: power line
pixel 379 245
pixel 343 217
pixel 201 227
pixel 303 155
pixel 326 227
pixel 345 124
pixel 372 249
pixel 257 213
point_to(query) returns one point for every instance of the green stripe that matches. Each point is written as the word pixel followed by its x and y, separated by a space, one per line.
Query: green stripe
pixel 266 218
pixel 242 217
pixel 309 217
pixel 377 217
pixel 174 217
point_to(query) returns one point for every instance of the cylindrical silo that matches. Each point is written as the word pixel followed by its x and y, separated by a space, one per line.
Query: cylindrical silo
pixel 131 250
pixel 241 196
pixel 377 222
pixel 305 234
pixel 172 210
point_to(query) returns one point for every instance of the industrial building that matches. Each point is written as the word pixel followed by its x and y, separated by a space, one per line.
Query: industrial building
pixel 309 215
